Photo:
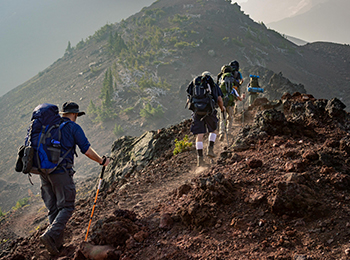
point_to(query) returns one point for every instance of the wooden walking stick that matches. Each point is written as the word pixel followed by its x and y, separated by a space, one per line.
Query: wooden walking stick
pixel 93 208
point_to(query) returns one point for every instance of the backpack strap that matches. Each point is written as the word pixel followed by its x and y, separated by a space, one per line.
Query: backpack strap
pixel 44 136
pixel 59 139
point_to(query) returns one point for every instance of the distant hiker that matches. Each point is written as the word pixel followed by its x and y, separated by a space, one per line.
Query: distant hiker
pixel 253 89
pixel 232 67
pixel 229 86
pixel 203 98
pixel 57 188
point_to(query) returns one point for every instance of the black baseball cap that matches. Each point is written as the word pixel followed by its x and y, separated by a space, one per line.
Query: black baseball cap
pixel 71 107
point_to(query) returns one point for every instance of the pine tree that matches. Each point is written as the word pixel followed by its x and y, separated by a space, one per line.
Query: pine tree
pixel 107 85
pixel 69 48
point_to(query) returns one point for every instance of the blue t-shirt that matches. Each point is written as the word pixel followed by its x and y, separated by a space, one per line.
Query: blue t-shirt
pixel 72 135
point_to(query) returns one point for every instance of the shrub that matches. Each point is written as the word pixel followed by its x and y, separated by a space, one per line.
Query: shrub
pixel 150 112
pixel 21 203
pixel 128 110
pixel 181 146
pixel 118 130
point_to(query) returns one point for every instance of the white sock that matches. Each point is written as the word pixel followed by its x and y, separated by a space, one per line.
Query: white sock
pixel 212 137
pixel 199 145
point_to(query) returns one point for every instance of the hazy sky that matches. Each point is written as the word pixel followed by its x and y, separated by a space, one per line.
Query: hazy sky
pixel 274 10
pixel 35 33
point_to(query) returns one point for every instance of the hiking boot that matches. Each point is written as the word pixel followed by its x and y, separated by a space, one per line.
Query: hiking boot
pixel 49 244
pixel 59 241
pixel 221 137
pixel 210 152
pixel 200 161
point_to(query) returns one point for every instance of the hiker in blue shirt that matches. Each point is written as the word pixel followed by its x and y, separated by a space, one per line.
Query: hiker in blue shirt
pixel 58 188
pixel 206 121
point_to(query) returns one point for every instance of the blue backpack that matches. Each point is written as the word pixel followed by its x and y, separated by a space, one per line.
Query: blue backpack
pixel 42 148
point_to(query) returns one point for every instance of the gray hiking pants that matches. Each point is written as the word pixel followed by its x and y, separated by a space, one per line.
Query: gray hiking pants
pixel 58 192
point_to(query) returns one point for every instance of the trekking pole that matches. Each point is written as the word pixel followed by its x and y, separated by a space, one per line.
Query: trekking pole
pixel 243 111
pixel 93 208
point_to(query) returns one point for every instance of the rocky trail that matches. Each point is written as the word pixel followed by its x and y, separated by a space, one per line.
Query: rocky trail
pixel 281 191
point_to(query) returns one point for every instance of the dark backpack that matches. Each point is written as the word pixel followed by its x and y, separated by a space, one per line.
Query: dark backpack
pixel 201 100
pixel 42 147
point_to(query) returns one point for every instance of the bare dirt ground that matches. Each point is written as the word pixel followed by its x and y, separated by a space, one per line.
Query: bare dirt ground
pixel 282 196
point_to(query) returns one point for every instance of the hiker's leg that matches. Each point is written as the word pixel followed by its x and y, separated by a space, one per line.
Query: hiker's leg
pixel 212 123
pixel 49 197
pixel 212 138
pixel 222 126
pixel 250 97
pixel 198 128
pixel 64 188
pixel 229 110
pixel 199 148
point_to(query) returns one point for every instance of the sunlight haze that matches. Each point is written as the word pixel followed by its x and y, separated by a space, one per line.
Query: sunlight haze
pixel 35 33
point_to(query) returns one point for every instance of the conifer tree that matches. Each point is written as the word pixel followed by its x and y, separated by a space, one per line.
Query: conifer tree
pixel 107 85
pixel 69 48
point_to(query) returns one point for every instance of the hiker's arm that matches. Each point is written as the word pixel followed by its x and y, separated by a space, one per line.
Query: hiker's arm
pixel 90 153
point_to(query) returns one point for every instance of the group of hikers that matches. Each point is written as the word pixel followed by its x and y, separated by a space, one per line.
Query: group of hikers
pixel 55 135
pixel 216 102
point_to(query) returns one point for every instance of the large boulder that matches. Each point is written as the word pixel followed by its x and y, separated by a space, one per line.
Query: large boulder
pixel 294 199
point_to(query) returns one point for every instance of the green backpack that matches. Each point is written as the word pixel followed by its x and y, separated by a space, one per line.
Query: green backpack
pixel 227 83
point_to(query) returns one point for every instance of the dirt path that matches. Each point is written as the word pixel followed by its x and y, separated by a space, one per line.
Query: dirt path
pixel 141 196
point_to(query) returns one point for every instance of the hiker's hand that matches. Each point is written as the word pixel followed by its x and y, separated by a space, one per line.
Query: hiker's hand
pixel 105 161
pixel 223 109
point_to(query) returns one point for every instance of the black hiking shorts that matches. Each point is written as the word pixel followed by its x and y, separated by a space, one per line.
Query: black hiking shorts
pixel 204 124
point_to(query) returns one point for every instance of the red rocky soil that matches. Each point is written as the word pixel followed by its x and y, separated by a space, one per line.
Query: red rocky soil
pixel 282 191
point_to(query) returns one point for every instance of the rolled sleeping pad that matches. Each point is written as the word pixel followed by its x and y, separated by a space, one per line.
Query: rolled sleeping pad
pixel 255 89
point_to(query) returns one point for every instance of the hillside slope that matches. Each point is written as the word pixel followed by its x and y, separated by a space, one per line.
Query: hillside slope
pixel 283 195
pixel 152 56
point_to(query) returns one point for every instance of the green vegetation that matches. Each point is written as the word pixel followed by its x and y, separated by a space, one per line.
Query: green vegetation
pixel 4 240
pixel 21 203
pixel 146 82
pixel 128 110
pixel 69 48
pixel 1 213
pixel 179 19
pixel 118 130
pixel 150 112
pixel 116 43
pixel 102 33
pixel 80 45
pixel 182 145
pixel 106 111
